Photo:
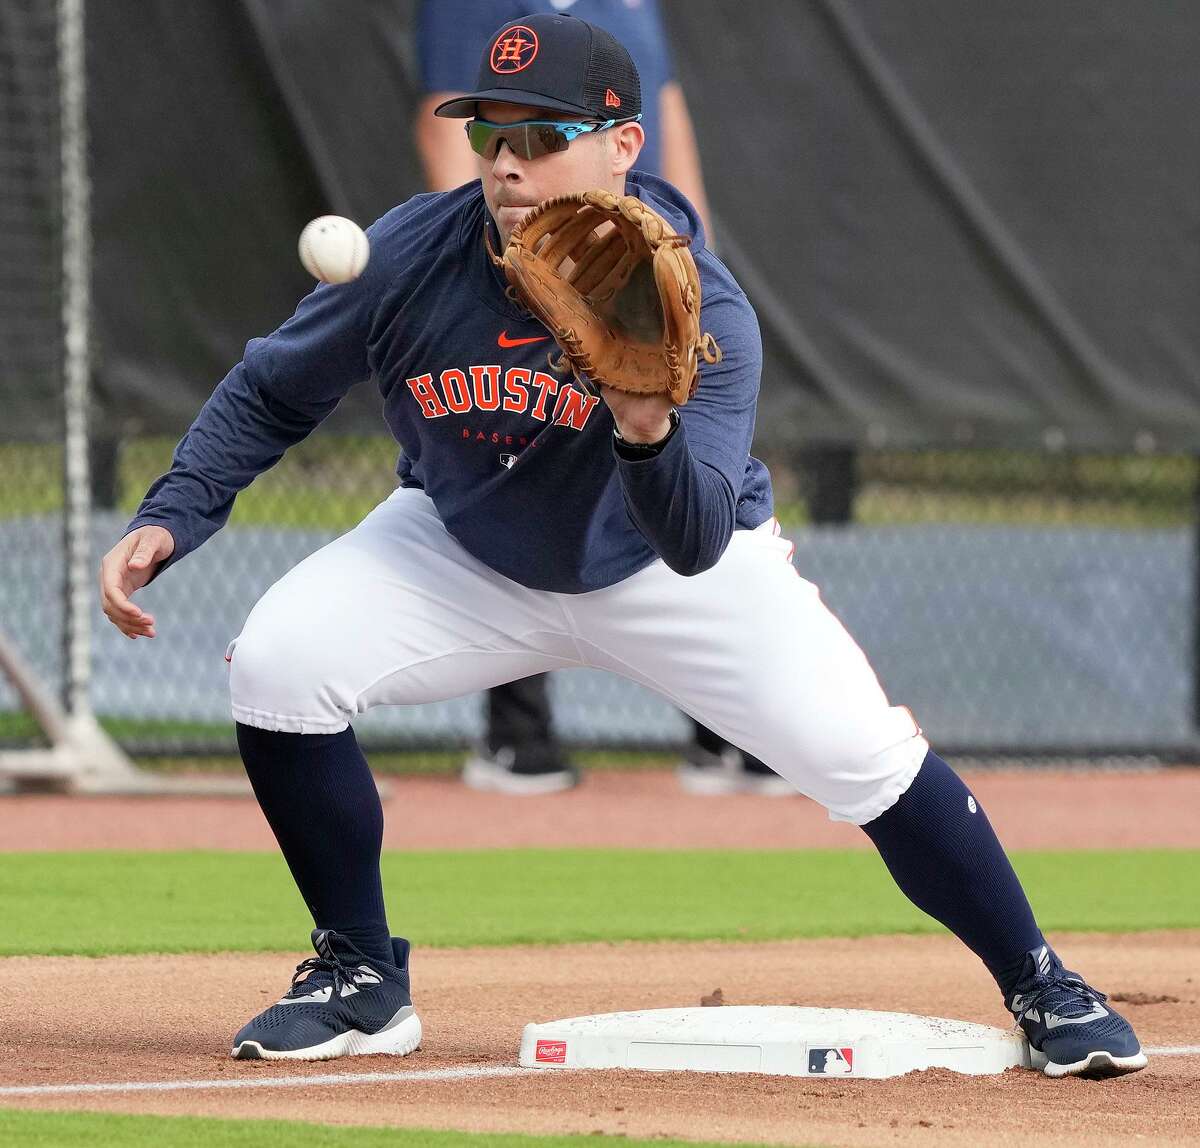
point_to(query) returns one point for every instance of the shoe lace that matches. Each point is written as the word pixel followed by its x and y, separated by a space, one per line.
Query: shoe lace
pixel 317 972
pixel 1063 996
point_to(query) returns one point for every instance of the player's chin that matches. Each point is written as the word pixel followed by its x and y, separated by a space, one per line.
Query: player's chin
pixel 507 218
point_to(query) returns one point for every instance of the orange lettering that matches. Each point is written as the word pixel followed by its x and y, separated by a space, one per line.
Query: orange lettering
pixel 485 383
pixel 547 385
pixel 422 389
pixel 454 384
pixel 574 409
pixel 516 389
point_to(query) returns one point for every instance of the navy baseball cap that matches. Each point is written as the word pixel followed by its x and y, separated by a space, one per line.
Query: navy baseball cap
pixel 554 61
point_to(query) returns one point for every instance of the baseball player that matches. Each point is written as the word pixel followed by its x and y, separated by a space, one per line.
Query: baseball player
pixel 542 522
pixel 520 752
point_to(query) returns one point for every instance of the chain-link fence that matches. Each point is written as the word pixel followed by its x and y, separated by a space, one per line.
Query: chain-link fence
pixel 1020 604
pixel 31 346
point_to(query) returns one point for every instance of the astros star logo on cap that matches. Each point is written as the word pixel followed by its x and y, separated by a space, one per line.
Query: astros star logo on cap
pixel 514 50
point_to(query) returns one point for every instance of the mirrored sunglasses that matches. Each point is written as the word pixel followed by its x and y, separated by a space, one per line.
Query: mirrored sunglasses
pixel 531 139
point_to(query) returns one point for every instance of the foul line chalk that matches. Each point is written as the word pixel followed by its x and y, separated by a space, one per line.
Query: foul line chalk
pixel 414 1077
pixel 268 1082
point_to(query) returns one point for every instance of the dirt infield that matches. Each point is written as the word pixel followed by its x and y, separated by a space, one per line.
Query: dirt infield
pixel 168 1020
pixel 1063 809
pixel 171 1019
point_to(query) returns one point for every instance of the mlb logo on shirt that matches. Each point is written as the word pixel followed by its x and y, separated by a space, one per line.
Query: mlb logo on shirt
pixel 830 1061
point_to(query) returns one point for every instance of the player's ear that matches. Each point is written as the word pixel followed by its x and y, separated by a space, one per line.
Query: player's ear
pixel 624 145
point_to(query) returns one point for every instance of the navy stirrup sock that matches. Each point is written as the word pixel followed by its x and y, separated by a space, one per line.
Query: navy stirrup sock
pixel 322 804
pixel 943 853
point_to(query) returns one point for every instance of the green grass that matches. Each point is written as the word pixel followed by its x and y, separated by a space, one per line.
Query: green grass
pixel 18 728
pixel 31 480
pixel 327 482
pixel 331 480
pixel 112 902
pixel 25 1129
pixel 428 762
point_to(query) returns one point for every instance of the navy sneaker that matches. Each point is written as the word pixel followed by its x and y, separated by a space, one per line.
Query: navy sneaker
pixel 341 1003
pixel 1066 1020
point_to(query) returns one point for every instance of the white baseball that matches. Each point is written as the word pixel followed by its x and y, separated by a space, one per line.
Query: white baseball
pixel 334 249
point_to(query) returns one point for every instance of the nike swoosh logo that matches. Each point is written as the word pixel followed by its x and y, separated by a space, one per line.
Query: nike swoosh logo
pixel 1097 1013
pixel 505 341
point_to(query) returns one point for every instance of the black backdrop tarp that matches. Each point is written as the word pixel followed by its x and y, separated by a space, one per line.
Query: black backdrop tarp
pixel 959 220
pixel 30 255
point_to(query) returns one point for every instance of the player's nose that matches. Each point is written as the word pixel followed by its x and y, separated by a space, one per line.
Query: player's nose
pixel 507 164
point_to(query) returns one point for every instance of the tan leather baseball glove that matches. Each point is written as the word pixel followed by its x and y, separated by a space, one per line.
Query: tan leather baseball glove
pixel 617 287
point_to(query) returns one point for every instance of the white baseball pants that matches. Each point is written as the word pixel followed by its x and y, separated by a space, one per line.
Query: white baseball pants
pixel 396 612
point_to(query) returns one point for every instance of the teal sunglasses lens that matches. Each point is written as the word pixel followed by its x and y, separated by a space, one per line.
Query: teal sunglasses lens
pixel 529 139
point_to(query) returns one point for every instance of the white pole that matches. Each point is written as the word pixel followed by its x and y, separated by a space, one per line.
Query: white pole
pixel 76 316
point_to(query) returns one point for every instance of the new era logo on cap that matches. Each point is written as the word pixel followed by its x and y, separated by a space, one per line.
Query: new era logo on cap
pixel 611 99
pixel 550 1052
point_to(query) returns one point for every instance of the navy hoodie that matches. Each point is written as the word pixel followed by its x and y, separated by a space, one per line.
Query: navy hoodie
pixel 520 463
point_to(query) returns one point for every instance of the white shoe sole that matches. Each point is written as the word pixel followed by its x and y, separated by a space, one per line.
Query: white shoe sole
pixel 399 1038
pixel 707 782
pixel 488 778
pixel 701 782
pixel 1098 1064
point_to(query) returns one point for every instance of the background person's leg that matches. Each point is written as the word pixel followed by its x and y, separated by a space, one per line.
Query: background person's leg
pixel 749 649
pixel 712 767
pixel 520 753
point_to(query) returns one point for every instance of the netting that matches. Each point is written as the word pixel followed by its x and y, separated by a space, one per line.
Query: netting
pixel 1021 604
pixel 30 348
pixel 30 299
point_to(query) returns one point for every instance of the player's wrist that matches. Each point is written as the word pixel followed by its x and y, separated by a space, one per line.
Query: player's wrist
pixel 634 451
pixel 648 434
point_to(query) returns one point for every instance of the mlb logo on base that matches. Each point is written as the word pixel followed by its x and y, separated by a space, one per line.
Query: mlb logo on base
pixel 551 1052
pixel 831 1061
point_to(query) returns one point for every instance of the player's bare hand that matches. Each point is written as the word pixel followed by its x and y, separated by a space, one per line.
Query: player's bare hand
pixel 127 567
pixel 639 418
